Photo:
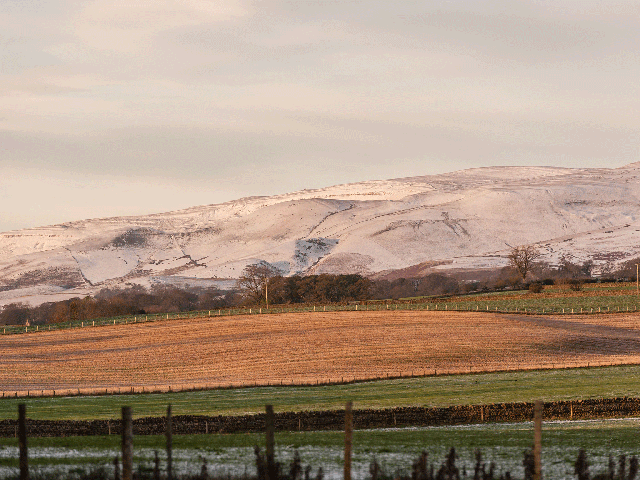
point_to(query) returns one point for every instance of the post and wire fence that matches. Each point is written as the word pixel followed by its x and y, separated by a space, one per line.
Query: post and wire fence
pixel 417 372
pixel 124 468
pixel 585 306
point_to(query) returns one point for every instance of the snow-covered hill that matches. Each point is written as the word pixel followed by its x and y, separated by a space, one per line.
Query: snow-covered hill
pixel 461 220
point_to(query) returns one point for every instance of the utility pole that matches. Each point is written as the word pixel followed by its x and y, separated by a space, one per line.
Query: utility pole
pixel 266 291
pixel 637 283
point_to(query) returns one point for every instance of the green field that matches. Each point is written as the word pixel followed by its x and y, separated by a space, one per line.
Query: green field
pixel 585 304
pixel 394 449
pixel 548 385
pixel 593 298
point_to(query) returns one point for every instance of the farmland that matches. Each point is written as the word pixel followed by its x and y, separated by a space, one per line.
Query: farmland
pixel 556 299
pixel 440 391
pixel 593 298
pixel 307 348
pixel 305 361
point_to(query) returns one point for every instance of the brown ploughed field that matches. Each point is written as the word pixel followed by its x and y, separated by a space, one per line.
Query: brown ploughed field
pixel 305 348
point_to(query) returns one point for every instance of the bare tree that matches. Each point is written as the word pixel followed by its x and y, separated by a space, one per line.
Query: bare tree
pixel 253 281
pixel 522 258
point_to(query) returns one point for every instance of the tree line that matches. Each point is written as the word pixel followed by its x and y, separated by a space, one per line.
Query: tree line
pixel 138 300
pixel 263 283
pixel 116 302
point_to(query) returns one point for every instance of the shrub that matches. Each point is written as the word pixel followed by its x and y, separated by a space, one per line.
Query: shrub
pixel 575 285
pixel 572 283
pixel 536 287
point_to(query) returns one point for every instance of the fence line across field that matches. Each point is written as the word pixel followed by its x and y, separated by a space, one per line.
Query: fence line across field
pixel 271 470
pixel 365 307
pixel 343 380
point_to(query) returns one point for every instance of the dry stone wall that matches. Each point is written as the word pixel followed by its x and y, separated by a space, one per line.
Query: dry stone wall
pixel 334 419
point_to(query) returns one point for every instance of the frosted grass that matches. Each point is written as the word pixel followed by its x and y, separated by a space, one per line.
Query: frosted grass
pixel 502 444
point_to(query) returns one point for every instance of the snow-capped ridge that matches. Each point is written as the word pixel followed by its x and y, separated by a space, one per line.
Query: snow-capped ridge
pixel 458 220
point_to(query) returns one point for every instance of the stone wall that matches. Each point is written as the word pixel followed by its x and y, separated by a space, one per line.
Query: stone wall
pixel 334 420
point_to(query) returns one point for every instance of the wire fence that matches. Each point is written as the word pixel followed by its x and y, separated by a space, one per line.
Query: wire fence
pixel 585 306
pixel 316 380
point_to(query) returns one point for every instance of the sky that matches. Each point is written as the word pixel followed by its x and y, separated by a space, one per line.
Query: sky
pixel 130 107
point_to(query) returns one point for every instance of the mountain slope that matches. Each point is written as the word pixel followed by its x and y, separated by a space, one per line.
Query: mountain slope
pixel 459 220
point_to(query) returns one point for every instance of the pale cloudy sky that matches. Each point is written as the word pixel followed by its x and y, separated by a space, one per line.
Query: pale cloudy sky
pixel 126 107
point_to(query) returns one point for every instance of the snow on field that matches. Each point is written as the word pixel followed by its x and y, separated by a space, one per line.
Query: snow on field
pixel 467 219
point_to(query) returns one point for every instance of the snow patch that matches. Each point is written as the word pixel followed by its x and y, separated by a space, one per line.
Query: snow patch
pixel 100 265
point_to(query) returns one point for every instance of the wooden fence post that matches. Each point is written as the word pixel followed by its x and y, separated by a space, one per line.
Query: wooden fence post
pixel 156 466
pixel 537 440
pixel 22 441
pixel 348 438
pixel 168 434
pixel 127 444
pixel 116 468
pixel 270 431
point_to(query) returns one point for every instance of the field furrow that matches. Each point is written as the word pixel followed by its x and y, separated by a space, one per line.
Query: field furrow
pixel 309 348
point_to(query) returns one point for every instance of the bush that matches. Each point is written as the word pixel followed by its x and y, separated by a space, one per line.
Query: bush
pixel 536 287
pixel 575 285
pixel 572 283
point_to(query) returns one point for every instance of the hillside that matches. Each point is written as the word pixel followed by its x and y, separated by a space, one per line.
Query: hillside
pixel 456 221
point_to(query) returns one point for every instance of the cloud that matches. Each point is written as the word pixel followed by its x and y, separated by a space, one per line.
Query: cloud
pixel 129 27
pixel 249 93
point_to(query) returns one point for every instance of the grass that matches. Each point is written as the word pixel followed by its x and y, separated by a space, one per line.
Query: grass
pixel 549 385
pixel 551 305
pixel 393 448
pixel 593 298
